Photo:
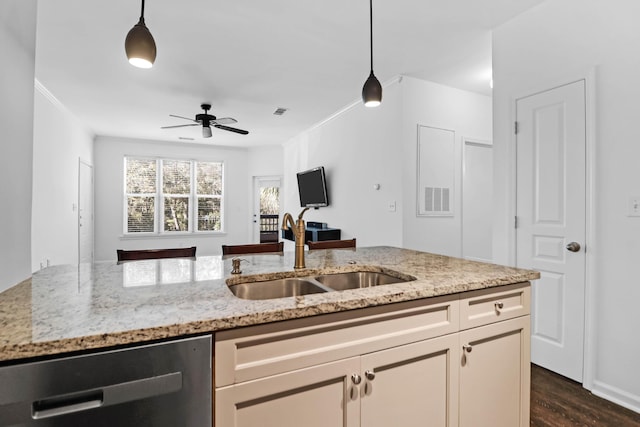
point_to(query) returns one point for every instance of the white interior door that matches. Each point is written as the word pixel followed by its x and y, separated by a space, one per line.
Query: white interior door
pixel 85 213
pixel 268 204
pixel 551 221
pixel 477 196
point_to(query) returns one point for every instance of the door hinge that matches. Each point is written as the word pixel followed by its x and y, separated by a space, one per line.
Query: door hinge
pixel 515 222
pixel 516 127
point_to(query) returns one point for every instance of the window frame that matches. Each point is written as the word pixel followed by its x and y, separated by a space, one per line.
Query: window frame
pixel 159 199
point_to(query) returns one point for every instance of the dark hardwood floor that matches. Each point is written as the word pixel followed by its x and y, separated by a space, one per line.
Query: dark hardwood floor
pixel 557 402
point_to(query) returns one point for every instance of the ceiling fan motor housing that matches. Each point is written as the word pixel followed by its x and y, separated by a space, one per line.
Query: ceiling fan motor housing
pixel 204 118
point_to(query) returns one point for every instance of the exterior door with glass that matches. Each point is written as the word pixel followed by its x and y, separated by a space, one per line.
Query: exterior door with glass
pixel 266 209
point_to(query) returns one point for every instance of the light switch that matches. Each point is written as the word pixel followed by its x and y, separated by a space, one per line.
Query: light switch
pixel 634 206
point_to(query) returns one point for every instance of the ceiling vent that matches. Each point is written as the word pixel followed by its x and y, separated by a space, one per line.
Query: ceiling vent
pixel 280 111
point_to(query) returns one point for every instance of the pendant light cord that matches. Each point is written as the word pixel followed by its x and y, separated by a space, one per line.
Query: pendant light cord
pixel 142 11
pixel 370 30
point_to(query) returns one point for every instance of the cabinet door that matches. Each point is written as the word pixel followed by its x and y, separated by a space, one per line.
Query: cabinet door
pixel 412 385
pixel 495 375
pixel 320 396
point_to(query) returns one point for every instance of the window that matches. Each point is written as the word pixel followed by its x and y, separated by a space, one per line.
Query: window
pixel 165 195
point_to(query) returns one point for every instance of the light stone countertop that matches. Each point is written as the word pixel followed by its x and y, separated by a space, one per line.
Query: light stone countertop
pixel 69 308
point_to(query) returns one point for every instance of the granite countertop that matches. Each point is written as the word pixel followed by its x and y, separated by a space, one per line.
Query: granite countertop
pixel 70 308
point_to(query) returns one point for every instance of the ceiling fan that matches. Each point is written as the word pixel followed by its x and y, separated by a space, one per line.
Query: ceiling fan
pixel 207 120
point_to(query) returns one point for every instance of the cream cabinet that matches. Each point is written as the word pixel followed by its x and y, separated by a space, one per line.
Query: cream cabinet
pixel 402 386
pixel 495 374
pixel 407 364
pixel 411 385
pixel 495 370
pixel 319 396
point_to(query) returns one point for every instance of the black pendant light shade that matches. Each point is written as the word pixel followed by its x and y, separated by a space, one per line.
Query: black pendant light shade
pixel 139 44
pixel 372 89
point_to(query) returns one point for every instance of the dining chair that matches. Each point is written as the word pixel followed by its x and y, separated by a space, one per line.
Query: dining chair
pixel 332 244
pixel 254 248
pixel 138 254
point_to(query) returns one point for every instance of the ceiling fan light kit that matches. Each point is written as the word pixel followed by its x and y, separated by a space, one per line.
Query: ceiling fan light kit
pixel 139 44
pixel 206 130
pixel 372 89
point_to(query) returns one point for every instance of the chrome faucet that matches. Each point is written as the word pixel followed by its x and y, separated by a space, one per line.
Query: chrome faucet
pixel 298 230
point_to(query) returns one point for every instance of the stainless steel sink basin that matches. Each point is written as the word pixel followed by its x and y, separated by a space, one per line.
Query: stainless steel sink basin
pixel 358 279
pixel 296 286
pixel 279 288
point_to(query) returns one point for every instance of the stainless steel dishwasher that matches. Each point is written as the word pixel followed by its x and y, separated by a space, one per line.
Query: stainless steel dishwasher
pixel 165 384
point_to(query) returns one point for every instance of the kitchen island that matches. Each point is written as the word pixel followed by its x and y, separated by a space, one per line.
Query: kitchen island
pixel 65 309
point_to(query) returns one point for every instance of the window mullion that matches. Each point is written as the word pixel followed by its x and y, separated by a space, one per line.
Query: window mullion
pixel 193 226
pixel 159 198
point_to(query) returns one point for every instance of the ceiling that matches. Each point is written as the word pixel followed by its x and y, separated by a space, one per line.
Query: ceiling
pixel 247 58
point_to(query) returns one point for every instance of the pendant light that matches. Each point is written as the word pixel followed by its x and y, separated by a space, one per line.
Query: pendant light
pixel 372 89
pixel 139 44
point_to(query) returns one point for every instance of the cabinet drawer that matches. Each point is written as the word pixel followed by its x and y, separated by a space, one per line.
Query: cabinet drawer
pixel 259 351
pixel 486 306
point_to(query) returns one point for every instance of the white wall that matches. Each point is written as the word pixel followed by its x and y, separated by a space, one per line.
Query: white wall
pixel 358 148
pixel 466 113
pixel 555 43
pixel 265 161
pixel 109 174
pixel 17 48
pixel 59 141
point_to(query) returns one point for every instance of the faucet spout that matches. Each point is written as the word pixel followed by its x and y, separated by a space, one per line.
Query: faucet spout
pixel 299 231
pixel 287 222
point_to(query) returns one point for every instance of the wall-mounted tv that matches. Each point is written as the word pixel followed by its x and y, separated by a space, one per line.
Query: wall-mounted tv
pixel 312 187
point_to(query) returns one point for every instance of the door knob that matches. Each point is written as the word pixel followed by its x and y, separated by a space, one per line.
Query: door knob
pixel 573 247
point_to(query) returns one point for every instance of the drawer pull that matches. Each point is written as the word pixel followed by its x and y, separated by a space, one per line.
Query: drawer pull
pixel 353 394
pixel 499 305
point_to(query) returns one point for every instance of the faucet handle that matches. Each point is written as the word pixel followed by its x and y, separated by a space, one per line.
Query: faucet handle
pixel 235 263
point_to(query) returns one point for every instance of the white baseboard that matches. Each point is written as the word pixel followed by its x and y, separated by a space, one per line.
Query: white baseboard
pixel 615 395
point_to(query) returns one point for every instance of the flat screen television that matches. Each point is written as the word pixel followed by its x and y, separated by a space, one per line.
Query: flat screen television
pixel 312 187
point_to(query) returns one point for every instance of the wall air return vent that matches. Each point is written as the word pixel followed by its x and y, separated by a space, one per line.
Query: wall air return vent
pixel 437 200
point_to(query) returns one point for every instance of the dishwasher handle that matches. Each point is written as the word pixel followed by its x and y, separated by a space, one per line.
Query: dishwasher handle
pixel 107 396
pixel 67 404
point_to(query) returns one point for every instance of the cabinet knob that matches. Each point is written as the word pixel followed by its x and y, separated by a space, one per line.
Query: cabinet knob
pixel 370 375
pixel 357 379
pixel 467 348
pixel 499 305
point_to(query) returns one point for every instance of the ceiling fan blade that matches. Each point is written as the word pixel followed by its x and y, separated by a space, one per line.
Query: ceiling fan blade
pixel 230 129
pixel 224 121
pixel 179 126
pixel 180 117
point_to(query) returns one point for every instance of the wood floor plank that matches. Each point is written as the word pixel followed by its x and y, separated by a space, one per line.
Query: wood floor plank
pixel 557 401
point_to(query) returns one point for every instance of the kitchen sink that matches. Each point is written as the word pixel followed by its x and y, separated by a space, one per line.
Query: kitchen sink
pixel 296 286
pixel 279 288
pixel 358 279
